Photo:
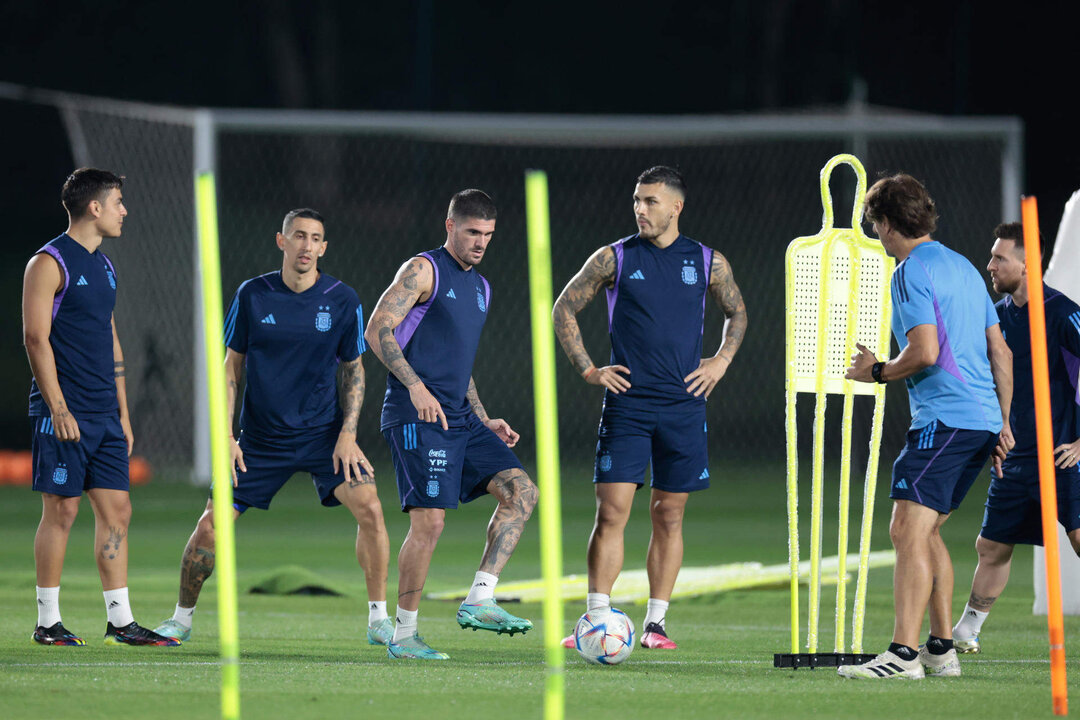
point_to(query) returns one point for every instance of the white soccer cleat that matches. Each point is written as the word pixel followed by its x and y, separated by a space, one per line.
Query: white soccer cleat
pixel 886 666
pixel 947 665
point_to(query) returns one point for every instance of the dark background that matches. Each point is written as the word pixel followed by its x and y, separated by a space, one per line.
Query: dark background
pixel 952 58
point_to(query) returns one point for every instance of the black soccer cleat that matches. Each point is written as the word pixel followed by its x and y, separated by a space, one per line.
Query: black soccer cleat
pixel 136 634
pixel 56 635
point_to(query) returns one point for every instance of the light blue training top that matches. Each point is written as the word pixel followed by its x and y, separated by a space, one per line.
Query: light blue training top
pixel 937 286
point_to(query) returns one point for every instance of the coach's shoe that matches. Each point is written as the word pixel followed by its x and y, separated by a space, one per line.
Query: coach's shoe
pixel 947 665
pixel 655 638
pixel 381 633
pixel 569 641
pixel 136 634
pixel 486 615
pixel 886 666
pixel 970 646
pixel 172 629
pixel 56 635
pixel 413 648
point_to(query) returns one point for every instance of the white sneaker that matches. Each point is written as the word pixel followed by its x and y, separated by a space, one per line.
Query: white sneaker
pixel 886 666
pixel 947 665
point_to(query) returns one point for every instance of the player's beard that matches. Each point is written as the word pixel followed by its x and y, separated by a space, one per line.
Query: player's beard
pixel 1006 288
pixel 653 230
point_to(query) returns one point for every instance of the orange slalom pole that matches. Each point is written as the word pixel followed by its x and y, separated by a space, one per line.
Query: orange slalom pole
pixel 1047 472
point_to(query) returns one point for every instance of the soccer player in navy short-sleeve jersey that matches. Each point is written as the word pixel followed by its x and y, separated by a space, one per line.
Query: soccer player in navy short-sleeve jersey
pixel 78 405
pixel 657 283
pixel 958 372
pixel 1013 506
pixel 290 332
pixel 426 330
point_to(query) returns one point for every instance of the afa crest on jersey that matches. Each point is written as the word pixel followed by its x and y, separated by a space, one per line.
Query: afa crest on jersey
pixel 323 319
pixel 480 303
pixel 689 272
pixel 433 488
pixel 112 279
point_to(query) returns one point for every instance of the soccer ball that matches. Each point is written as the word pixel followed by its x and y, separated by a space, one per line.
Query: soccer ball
pixel 604 636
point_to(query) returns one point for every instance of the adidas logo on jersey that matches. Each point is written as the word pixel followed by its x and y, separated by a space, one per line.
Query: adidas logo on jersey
pixel 451 294
pixel 901 484
pixel 637 275
pixel 704 474
pixel 269 320
pixel 82 280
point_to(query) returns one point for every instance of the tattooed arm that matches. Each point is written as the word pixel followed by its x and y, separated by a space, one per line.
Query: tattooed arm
pixel 598 272
pixel 234 370
pixel 726 294
pixel 497 425
pixel 412 285
pixel 121 388
pixel 347 454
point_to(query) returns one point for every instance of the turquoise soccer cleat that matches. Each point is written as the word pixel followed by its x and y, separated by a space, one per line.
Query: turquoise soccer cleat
pixel 487 615
pixel 172 629
pixel 413 648
pixel 381 633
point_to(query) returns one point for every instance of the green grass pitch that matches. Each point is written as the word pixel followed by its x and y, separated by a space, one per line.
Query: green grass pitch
pixel 306 657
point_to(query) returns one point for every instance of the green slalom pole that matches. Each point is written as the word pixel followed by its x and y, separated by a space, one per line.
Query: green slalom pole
pixel 225 552
pixel 547 437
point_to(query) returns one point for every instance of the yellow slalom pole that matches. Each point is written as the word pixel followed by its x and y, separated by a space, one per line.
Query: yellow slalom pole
pixel 1047 472
pixel 547 437
pixel 225 563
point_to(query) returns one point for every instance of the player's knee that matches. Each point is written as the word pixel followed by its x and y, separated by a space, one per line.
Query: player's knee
pixel 992 553
pixel 666 519
pixel 903 533
pixel 61 515
pixel 529 495
pixel 427 527
pixel 369 513
pixel 611 517
pixel 204 530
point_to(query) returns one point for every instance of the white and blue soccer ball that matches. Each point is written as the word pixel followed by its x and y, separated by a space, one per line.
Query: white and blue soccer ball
pixel 604 636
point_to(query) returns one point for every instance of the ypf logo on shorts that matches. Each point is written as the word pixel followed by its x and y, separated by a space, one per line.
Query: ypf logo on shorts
pixel 59 476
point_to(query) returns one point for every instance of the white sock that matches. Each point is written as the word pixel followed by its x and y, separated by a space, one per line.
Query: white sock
pixel 483 587
pixel 376 611
pixel 182 616
pixel 118 608
pixel 595 601
pixel 970 623
pixel 655 611
pixel 48 606
pixel 405 624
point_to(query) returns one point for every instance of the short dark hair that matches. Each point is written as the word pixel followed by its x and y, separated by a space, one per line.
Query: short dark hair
pixel 664 175
pixel 86 185
pixel 1015 231
pixel 472 203
pixel 905 203
pixel 300 213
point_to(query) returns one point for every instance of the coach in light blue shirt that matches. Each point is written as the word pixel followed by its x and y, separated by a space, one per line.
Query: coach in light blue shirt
pixel 958 372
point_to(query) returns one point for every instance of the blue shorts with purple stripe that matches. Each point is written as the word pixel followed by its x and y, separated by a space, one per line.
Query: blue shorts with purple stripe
pixel 939 464
pixel 439 468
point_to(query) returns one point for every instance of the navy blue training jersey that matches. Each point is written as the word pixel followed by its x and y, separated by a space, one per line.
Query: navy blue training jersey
pixel 292 343
pixel 81 335
pixel 439 338
pixel 1063 355
pixel 656 316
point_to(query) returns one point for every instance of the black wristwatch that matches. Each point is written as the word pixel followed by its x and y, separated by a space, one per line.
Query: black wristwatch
pixel 875 372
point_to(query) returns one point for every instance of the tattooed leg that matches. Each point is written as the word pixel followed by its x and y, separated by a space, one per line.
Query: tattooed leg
pixel 197 562
pixel 517 496
pixel 112 515
pixel 414 558
pixel 992 573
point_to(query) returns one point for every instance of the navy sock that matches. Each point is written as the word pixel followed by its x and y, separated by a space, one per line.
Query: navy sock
pixel 903 651
pixel 939 646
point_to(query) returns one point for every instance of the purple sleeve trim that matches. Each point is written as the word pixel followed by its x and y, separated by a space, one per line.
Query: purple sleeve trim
pixel 706 259
pixel 403 333
pixel 267 281
pixel 67 277
pixel 487 292
pixel 613 291
pixel 109 263
pixel 331 287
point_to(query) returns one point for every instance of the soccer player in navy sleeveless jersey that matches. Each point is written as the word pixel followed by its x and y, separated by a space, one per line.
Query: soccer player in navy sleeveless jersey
pixel 289 332
pixel 958 372
pixel 78 405
pixel 1013 506
pixel 656 383
pixel 426 330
